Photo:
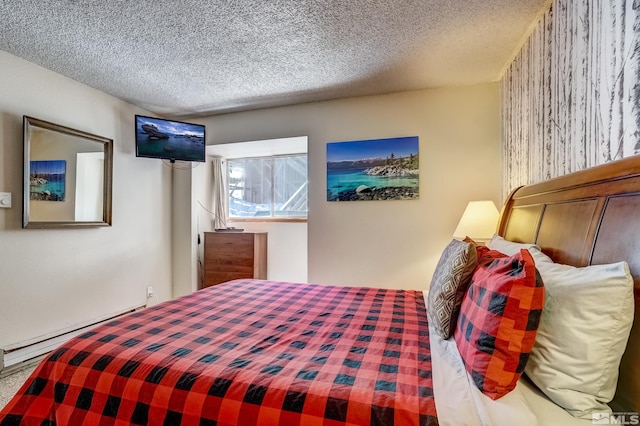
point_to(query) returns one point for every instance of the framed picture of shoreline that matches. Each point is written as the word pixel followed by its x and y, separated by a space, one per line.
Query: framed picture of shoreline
pixel 47 180
pixel 376 169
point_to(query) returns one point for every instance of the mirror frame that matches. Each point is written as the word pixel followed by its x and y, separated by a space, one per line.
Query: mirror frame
pixel 28 124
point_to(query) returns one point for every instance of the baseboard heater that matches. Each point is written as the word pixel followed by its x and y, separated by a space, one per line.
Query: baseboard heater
pixel 19 355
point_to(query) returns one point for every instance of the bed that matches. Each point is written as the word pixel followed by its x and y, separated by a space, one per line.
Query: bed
pixel 260 352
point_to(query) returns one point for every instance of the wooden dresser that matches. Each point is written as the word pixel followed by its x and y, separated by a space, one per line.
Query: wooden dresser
pixel 234 255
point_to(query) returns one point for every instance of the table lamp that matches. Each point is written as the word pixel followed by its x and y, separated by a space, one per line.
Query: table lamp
pixel 478 222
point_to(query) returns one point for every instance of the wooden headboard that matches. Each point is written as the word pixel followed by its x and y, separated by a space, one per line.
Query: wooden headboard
pixel 584 218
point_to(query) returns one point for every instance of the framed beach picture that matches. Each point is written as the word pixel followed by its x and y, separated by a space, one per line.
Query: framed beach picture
pixel 376 169
pixel 47 180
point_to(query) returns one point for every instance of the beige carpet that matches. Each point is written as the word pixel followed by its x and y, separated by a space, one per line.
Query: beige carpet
pixel 11 384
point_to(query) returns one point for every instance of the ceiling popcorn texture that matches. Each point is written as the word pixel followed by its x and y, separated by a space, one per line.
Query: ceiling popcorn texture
pixel 194 58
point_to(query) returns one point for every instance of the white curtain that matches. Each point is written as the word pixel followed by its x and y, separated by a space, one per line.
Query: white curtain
pixel 219 194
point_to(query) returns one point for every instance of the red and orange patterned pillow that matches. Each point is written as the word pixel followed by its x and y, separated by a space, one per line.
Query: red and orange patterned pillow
pixel 499 319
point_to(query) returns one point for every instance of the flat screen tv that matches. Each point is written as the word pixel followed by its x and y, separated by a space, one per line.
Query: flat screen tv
pixel 169 140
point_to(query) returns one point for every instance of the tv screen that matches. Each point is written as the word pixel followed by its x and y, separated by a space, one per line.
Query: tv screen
pixel 169 140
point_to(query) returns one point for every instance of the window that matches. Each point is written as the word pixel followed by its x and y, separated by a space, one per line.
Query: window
pixel 268 187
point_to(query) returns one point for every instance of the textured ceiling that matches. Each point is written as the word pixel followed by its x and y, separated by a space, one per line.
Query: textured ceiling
pixel 195 57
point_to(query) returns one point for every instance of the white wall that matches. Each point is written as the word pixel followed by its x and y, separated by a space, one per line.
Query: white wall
pixel 286 248
pixel 52 279
pixel 393 244
pixel 287 242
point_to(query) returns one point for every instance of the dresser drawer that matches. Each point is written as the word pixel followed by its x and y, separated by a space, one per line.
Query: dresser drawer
pixel 213 278
pixel 239 258
pixel 230 243
pixel 244 265
pixel 233 255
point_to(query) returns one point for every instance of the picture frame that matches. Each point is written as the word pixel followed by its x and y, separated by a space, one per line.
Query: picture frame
pixel 47 180
pixel 375 169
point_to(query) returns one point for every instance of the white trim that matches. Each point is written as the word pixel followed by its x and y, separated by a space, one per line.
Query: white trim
pixel 23 351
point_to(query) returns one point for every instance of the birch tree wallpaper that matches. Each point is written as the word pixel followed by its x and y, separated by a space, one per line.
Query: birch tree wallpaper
pixel 571 98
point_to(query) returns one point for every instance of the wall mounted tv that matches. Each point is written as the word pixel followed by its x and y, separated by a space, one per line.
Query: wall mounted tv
pixel 169 140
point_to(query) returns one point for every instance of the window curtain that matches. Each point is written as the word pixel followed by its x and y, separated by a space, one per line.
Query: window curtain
pixel 219 194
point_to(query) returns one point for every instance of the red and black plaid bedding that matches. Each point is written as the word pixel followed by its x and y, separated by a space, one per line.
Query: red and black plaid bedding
pixel 244 353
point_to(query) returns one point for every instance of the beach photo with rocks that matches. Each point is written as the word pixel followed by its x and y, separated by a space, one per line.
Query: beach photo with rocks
pixel 47 180
pixel 376 169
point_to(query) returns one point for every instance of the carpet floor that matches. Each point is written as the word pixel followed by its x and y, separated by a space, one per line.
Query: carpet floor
pixel 10 385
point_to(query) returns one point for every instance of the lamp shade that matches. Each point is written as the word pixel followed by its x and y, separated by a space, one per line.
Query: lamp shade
pixel 478 222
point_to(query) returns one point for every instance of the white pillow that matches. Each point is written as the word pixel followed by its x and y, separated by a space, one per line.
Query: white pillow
pixel 507 247
pixel 583 333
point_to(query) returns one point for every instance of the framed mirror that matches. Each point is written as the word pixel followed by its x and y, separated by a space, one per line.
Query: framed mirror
pixel 67 177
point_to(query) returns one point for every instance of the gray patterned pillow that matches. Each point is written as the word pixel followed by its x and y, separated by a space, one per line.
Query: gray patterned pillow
pixel 449 284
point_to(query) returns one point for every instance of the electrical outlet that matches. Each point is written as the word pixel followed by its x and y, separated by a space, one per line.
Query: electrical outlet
pixel 149 291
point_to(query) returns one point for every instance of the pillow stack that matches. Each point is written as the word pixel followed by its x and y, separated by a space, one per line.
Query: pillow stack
pixel 571 349
pixel 583 331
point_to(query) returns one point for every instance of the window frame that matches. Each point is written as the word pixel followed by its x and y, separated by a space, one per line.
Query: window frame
pixel 270 218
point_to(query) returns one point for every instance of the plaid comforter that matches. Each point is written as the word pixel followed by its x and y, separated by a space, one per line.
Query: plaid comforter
pixel 244 353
